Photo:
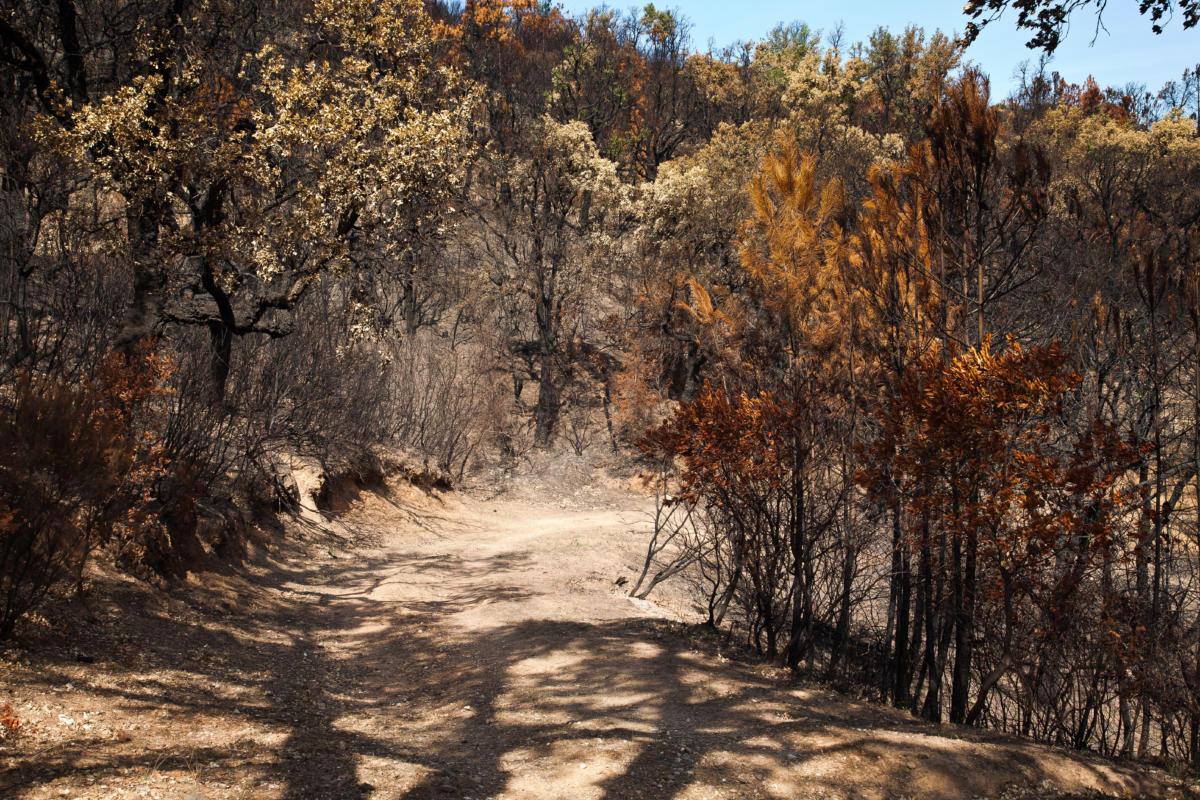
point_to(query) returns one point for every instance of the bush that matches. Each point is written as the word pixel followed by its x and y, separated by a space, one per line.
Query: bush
pixel 76 472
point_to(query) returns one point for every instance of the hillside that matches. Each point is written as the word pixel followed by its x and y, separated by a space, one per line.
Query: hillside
pixel 463 646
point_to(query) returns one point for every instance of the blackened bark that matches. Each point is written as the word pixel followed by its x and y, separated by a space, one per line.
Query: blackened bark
pixel 964 635
pixel 143 221
pixel 220 356
pixel 901 672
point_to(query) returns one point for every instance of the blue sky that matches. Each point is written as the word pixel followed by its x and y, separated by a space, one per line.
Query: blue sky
pixel 1129 51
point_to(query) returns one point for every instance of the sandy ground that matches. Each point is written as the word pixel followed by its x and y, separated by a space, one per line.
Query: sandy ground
pixel 461 647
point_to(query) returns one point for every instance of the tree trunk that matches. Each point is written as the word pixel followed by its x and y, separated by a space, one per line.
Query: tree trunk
pixel 841 636
pixel 547 313
pixel 885 678
pixel 409 304
pixel 220 355
pixel 143 222
pixel 798 644
pixel 900 668
pixel 546 413
pixel 608 419
pixel 964 634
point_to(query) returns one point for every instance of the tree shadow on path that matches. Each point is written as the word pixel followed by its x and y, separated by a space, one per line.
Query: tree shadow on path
pixel 344 681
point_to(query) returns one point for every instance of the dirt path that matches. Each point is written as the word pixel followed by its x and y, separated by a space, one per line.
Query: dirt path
pixel 470 649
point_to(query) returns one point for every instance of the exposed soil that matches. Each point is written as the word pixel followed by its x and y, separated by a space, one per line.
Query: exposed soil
pixel 461 647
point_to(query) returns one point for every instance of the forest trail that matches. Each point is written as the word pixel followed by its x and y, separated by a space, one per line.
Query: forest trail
pixel 468 648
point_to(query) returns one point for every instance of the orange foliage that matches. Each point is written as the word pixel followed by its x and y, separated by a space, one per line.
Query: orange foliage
pixel 634 399
pixel 10 724
pixel 971 443
pixel 513 25
pixel 791 326
pixel 495 19
pixel 793 248
pixel 728 445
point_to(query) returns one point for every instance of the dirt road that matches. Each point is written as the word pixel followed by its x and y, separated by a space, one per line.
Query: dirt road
pixel 461 648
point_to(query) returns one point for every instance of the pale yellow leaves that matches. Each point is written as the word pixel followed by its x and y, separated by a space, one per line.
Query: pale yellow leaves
pixel 306 147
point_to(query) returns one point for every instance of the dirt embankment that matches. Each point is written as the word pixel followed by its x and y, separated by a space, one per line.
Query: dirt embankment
pixel 463 647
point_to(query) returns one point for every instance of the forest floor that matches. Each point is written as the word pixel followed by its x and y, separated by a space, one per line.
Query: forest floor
pixel 461 646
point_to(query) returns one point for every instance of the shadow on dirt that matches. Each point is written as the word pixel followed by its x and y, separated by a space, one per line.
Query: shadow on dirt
pixel 370 697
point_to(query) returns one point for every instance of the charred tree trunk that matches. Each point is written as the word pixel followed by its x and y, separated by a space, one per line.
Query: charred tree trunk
pixel 901 671
pixel 841 634
pixel 798 644
pixel 548 314
pixel 964 634
pixel 546 412
pixel 144 221
pixel 887 679
pixel 219 358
